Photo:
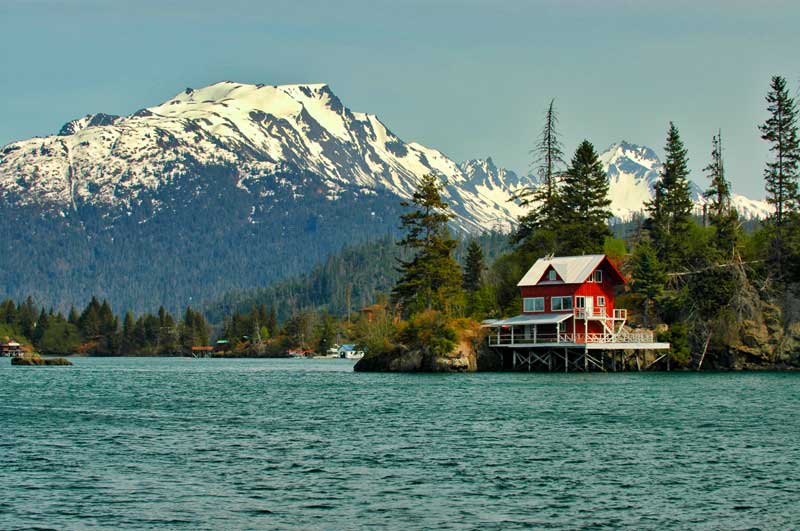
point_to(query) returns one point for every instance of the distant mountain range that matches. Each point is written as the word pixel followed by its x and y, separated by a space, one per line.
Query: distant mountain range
pixel 234 185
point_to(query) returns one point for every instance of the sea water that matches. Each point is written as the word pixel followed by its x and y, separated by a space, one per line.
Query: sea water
pixel 137 443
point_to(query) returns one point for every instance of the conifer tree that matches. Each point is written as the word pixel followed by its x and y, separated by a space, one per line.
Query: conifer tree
pixel 721 214
pixel 474 267
pixel 127 340
pixel 547 165
pixel 670 210
pixel 432 277
pixel 73 316
pixel 649 278
pixel 781 174
pixel 583 204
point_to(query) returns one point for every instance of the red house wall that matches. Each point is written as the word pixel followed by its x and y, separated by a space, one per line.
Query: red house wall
pixel 587 289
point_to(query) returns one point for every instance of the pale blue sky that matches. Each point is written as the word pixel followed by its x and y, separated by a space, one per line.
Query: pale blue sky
pixel 469 77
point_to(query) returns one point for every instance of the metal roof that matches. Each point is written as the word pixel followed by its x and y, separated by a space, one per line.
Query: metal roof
pixel 571 269
pixel 529 319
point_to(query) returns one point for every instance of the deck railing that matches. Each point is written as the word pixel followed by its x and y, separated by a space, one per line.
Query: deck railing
pixel 599 312
pixel 624 336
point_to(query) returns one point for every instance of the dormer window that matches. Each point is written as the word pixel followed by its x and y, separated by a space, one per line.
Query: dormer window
pixel 597 276
pixel 551 275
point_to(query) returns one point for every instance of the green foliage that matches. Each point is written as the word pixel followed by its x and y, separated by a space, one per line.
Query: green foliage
pixel 378 334
pixel 473 267
pixel 721 214
pixel 583 204
pixel 548 165
pixel 711 290
pixel 781 176
pixel 678 338
pixel 60 337
pixel 649 278
pixel 193 330
pixel 614 248
pixel 429 330
pixel 671 208
pixel 431 278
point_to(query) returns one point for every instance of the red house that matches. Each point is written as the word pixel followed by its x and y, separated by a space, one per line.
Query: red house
pixel 569 301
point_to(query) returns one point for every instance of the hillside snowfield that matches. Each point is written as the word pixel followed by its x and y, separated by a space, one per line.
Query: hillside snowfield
pixel 266 130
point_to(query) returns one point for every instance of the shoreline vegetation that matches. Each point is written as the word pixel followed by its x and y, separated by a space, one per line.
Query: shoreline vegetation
pixel 721 291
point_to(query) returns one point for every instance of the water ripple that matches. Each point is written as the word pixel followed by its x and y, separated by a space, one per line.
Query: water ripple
pixel 289 444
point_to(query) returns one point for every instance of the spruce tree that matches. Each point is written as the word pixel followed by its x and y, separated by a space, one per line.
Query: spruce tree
pixel 432 277
pixel 721 214
pixel 671 209
pixel 781 173
pixel 583 204
pixel 474 267
pixel 547 165
pixel 649 278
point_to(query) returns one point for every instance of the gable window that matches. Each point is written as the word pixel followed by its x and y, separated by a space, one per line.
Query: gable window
pixel 601 301
pixel 560 303
pixel 533 304
pixel 597 276
pixel 551 275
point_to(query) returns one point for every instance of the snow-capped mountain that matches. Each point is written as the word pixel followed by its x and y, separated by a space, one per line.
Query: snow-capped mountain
pixel 633 170
pixel 265 131
pixel 262 130
pixel 232 186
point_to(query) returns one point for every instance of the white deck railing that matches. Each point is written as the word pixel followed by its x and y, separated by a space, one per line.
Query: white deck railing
pixel 599 312
pixel 518 338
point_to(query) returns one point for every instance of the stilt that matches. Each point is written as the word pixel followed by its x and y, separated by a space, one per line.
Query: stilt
pixel 566 360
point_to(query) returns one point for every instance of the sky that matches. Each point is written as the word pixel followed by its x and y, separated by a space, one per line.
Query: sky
pixel 471 78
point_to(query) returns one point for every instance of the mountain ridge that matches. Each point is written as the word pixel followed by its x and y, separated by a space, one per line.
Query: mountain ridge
pixel 263 129
pixel 229 187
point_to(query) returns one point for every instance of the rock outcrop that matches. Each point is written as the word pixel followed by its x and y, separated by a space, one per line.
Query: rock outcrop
pixel 37 360
pixel 471 354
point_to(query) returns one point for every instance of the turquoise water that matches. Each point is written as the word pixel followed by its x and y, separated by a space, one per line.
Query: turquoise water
pixel 292 444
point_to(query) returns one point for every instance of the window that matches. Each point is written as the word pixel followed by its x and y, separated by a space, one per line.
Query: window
pixel 551 275
pixel 533 304
pixel 580 302
pixel 562 327
pixel 561 303
pixel 597 276
pixel 601 301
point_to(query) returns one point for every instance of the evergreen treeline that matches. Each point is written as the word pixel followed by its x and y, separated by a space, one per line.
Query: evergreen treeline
pixel 97 331
pixel 347 281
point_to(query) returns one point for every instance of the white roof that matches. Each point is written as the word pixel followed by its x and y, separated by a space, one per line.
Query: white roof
pixel 529 319
pixel 571 269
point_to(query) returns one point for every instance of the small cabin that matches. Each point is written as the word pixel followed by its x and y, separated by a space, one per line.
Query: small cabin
pixel 12 349
pixel 350 351
pixel 568 300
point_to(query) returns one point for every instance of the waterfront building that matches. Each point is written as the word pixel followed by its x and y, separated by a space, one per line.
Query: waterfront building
pixel 11 348
pixel 569 318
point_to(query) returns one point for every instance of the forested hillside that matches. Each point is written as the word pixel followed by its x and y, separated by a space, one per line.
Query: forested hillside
pixel 346 281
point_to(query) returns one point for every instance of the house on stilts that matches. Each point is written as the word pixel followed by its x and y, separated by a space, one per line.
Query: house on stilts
pixel 569 321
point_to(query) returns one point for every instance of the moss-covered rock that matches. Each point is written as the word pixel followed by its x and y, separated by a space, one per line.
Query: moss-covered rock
pixel 32 360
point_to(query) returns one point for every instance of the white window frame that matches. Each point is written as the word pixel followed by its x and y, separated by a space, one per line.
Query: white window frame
pixel 601 301
pixel 597 276
pixel 535 308
pixel 560 306
pixel 580 302
pixel 552 276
